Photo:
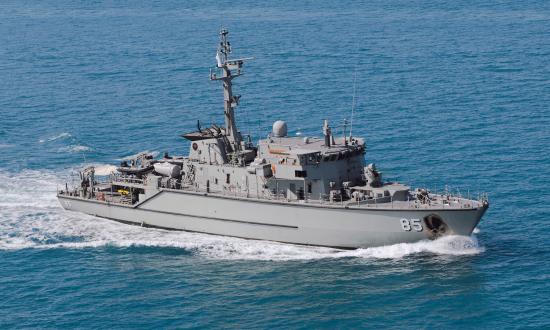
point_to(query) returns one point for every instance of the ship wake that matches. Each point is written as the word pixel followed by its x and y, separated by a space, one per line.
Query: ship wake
pixel 31 218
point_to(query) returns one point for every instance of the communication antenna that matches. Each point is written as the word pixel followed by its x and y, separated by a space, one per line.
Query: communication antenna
pixel 353 102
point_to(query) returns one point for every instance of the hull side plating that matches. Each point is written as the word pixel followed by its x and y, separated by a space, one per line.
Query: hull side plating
pixel 278 221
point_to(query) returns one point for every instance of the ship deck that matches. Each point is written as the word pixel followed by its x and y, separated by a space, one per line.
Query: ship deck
pixel 106 194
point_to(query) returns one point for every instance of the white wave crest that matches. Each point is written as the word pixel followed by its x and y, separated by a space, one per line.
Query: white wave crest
pixel 30 217
pixel 56 137
pixel 74 148
pixel 103 169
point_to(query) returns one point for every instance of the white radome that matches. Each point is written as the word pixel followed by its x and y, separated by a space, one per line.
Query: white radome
pixel 279 129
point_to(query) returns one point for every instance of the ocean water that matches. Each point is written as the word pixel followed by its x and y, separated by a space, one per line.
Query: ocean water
pixel 448 93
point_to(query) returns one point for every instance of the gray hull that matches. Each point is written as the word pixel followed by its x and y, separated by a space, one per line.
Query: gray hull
pixel 321 225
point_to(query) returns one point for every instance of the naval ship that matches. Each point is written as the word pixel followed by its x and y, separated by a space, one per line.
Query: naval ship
pixel 295 189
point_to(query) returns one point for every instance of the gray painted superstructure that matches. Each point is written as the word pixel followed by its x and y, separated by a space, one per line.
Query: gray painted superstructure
pixel 302 190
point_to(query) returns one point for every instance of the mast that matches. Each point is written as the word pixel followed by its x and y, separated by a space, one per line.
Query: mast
pixel 227 66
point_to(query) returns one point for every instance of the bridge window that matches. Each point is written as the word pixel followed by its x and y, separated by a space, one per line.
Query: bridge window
pixel 300 174
pixel 314 158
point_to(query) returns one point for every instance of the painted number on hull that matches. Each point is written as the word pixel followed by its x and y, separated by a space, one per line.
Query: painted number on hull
pixel 411 224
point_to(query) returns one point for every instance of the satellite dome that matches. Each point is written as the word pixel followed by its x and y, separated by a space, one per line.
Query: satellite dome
pixel 279 129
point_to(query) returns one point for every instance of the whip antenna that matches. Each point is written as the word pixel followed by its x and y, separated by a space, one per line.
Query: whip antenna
pixel 353 102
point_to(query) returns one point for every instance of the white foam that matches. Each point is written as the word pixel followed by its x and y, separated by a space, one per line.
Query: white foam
pixel 30 217
pixel 104 169
pixel 56 137
pixel 5 145
pixel 74 148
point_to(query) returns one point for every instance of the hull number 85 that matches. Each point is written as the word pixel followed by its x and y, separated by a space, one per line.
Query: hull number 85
pixel 411 224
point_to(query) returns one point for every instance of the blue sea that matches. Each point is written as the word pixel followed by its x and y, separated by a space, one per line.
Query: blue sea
pixel 450 93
